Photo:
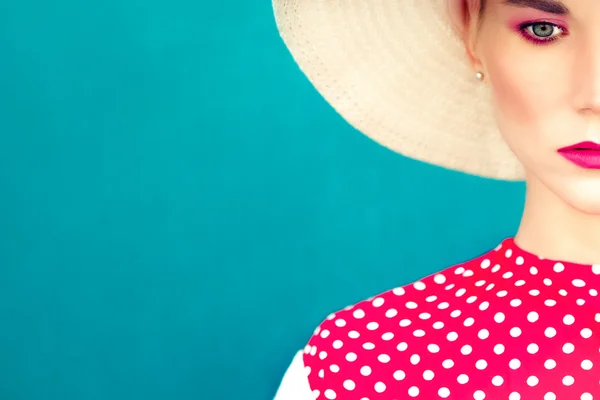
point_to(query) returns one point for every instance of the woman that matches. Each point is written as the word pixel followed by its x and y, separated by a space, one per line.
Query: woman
pixel 505 89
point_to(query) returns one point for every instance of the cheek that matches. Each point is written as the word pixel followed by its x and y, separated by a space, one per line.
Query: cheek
pixel 528 96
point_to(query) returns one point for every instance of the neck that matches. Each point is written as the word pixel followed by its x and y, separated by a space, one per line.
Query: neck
pixel 553 229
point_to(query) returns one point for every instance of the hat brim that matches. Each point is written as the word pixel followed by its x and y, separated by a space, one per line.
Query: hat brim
pixel 396 71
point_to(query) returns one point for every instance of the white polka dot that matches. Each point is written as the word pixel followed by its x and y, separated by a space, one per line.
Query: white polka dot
pixel 533 316
pixel 411 305
pixel 499 317
pixel 455 313
pixel 402 346
pixel 368 346
pixel 586 396
pixel 568 348
pixel 568 380
pixel 433 348
pixel 586 333
pixel 516 302
pixel 469 321
pixel 337 344
pixel 452 336
pixel 587 365
pixel 391 313
pixel 351 357
pixel 502 293
pixel 431 299
pixel 419 333
pixel 578 282
pixel 405 322
pixel 413 391
pixel 324 333
pixel 399 291
pixel 533 380
pixel 372 326
pixel 439 278
pixel 514 396
pixel 384 358
pixel 330 394
pixel 515 332
pixel 428 375
pixel 462 379
pixel 387 336
pixel 380 387
pixel 316 393
pixel 550 396
pixel 559 267
pixel 550 332
pixel 447 364
pixel 514 363
pixel 499 349
pixel 340 323
pixel 479 395
pixel 321 373
pixel 484 305
pixel 568 319
pixel 334 368
pixel 353 335
pixel 323 355
pixel 358 314
pixel 508 253
pixel 414 359
pixel 424 316
pixel 550 364
pixel 481 364
pixel 466 349
pixel 365 371
pixel 533 348
pixel 485 263
pixel 520 260
pixel 497 380
pixel 399 375
pixel 419 285
pixel 596 269
pixel 349 384
pixel 460 271
pixel 378 302
pixel 444 392
pixel 533 271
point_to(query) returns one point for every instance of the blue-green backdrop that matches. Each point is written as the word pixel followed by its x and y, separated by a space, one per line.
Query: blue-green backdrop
pixel 179 208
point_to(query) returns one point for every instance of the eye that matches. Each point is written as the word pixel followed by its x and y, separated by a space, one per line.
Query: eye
pixel 541 32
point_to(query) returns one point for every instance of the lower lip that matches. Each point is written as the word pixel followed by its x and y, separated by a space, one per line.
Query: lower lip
pixel 589 159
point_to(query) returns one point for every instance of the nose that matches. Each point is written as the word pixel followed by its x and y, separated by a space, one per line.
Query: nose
pixel 587 75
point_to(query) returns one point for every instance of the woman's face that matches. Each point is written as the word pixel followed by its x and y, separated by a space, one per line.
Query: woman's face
pixel 541 59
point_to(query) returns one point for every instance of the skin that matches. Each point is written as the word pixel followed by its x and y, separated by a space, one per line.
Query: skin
pixel 545 97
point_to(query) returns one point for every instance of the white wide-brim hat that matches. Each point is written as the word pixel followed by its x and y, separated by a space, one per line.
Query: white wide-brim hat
pixel 397 71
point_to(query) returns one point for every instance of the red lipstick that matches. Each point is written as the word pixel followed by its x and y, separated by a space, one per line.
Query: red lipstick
pixel 584 154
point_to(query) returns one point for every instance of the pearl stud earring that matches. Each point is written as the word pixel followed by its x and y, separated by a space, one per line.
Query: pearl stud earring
pixel 479 75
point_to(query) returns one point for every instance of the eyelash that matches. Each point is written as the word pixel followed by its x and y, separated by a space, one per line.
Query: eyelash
pixel 524 31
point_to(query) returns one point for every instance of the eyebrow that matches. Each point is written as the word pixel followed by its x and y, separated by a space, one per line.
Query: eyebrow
pixel 549 6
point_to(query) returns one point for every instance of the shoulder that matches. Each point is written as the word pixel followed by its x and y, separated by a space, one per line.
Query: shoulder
pixel 365 345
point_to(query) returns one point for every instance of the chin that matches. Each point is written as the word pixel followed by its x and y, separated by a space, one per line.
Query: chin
pixel 582 194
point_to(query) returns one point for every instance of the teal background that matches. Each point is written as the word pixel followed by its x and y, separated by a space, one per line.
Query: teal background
pixel 180 208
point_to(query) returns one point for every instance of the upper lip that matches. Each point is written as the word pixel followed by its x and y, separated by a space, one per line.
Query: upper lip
pixel 582 146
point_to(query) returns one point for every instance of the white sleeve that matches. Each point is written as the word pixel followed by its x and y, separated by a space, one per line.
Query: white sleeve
pixel 294 385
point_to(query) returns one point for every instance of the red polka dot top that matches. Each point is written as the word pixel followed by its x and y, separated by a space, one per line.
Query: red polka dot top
pixel 507 325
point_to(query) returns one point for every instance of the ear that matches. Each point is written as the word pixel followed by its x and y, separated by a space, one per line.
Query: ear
pixel 465 19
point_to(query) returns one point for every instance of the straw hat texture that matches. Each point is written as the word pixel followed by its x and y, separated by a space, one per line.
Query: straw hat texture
pixel 397 71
